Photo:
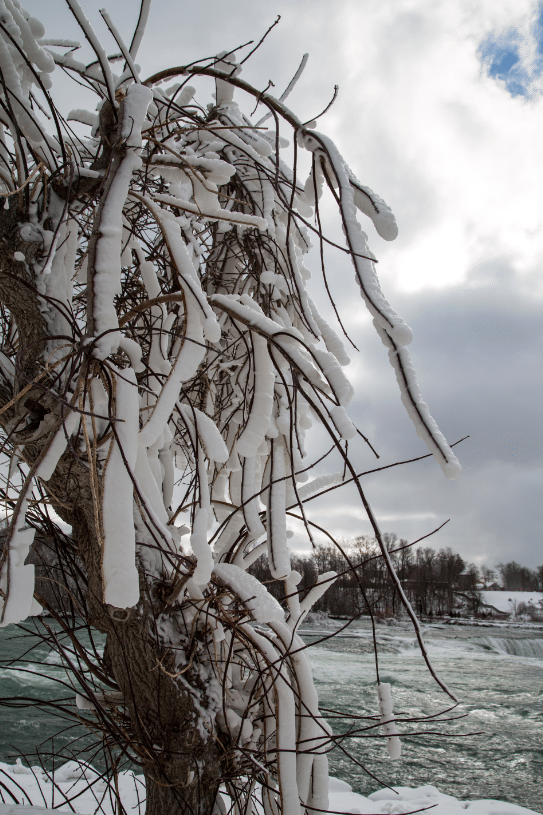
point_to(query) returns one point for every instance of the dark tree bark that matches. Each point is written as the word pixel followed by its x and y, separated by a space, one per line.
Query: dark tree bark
pixel 177 745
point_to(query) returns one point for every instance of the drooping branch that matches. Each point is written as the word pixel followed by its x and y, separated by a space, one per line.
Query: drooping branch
pixel 162 366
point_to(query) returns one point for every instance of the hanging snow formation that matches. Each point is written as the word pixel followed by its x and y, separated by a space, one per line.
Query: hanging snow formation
pixel 188 363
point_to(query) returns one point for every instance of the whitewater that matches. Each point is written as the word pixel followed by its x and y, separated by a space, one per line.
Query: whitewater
pixel 495 752
pixel 496 670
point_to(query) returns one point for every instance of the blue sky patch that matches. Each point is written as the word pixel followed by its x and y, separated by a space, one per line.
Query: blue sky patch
pixel 501 54
pixel 502 62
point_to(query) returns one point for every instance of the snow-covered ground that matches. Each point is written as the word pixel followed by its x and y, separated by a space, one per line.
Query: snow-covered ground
pixel 509 601
pixel 79 788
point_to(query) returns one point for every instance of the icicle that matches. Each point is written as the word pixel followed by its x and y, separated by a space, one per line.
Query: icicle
pixel 331 339
pixel 166 460
pixel 201 467
pixel 417 409
pixel 189 357
pixel 278 554
pixel 148 485
pixel 228 536
pixel 394 746
pixel 324 581
pixel 343 424
pixel 249 499
pixel 293 599
pixel 318 799
pixel 16 578
pixel 180 258
pixel 309 728
pixel 208 433
pixel 261 409
pixel 339 383
pixel 121 581
pixel 364 268
pixel 133 352
pixel 285 716
pixel 235 482
pixel 375 208
pixel 201 548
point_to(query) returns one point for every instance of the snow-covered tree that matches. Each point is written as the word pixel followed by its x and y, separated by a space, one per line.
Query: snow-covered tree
pixel 161 365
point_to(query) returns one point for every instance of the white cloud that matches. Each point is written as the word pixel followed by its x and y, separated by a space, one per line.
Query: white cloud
pixel 459 159
pixel 424 108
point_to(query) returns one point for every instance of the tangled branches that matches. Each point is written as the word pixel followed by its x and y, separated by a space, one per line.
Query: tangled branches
pixel 162 364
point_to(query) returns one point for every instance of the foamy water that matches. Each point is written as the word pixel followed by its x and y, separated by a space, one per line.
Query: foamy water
pixel 497 672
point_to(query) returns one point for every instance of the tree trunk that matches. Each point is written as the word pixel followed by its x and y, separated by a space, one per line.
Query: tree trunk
pixel 170 711
pixel 171 720
pixel 164 800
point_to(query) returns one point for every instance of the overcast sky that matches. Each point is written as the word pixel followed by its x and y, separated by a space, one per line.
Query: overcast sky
pixel 440 111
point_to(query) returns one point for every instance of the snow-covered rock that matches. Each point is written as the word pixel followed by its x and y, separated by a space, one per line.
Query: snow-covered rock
pixel 403 800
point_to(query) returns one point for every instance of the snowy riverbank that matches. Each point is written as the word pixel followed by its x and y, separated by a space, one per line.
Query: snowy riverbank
pixel 79 788
pixel 508 602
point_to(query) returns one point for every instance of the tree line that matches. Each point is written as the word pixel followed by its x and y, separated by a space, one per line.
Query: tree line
pixel 515 577
pixel 436 582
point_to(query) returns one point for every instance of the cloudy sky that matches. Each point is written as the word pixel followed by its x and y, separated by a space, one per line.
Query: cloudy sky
pixel 440 111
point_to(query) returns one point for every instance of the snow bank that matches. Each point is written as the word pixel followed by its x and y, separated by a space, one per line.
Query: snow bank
pixel 66 790
pixel 408 799
pixel 37 795
pixel 400 800
pixel 508 601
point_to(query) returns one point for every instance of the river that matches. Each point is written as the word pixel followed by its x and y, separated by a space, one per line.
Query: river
pixel 497 673
pixel 495 670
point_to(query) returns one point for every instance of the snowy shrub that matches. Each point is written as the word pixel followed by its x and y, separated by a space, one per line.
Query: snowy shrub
pixel 162 363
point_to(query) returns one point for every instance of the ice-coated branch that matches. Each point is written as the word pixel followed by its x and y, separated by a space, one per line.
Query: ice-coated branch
pixel 162 371
pixel 96 45
pixel 388 722
pixel 105 266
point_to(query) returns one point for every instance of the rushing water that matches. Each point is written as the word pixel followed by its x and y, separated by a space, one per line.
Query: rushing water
pixel 497 672
pixel 30 671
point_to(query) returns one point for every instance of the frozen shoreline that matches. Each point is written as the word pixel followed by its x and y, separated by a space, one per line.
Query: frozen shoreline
pixel 38 792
